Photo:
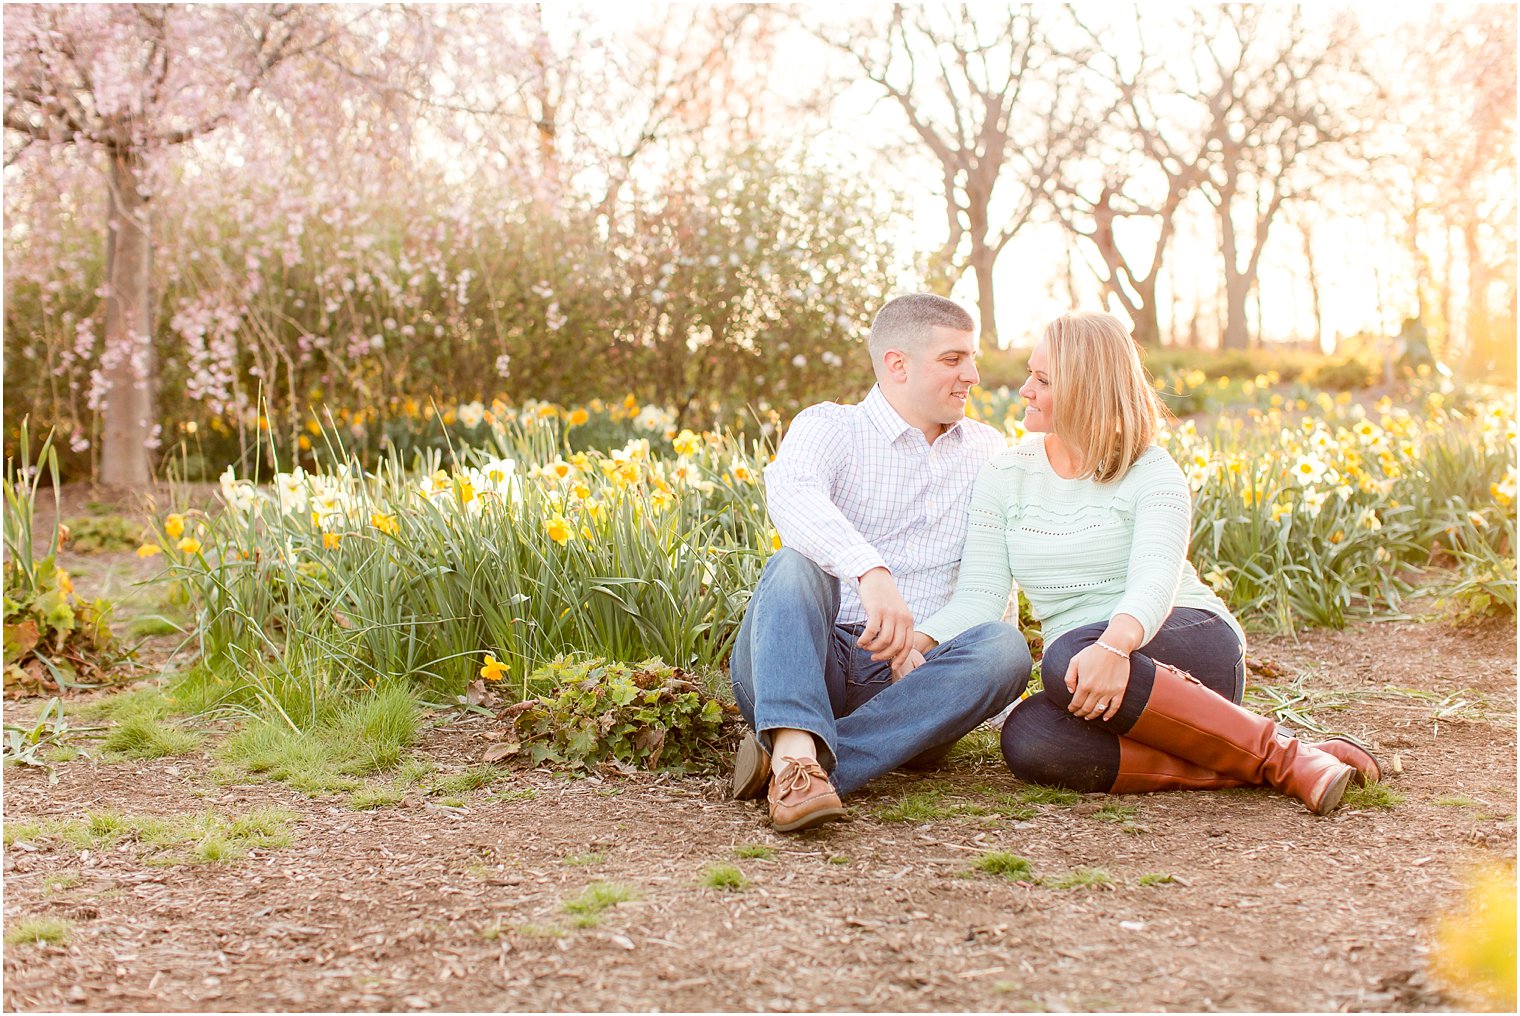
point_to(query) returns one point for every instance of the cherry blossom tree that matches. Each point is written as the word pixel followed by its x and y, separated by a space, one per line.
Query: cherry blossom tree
pixel 124 84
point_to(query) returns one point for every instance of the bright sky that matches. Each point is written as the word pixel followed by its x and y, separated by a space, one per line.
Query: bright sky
pixel 1354 260
pixel 1362 273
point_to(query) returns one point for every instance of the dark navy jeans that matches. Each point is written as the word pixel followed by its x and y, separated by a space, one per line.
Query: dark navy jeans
pixel 794 667
pixel 1043 743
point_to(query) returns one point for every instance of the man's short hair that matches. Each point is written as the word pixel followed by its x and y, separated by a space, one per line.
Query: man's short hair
pixel 908 322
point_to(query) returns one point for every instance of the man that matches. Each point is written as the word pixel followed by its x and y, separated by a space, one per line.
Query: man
pixel 870 501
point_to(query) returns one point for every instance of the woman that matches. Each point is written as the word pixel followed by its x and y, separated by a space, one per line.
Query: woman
pixel 1144 666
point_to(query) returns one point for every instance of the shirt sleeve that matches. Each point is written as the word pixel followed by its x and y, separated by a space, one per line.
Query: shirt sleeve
pixel 984 584
pixel 799 495
pixel 1163 526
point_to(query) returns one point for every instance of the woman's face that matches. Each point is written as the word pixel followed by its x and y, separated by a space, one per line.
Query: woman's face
pixel 1039 401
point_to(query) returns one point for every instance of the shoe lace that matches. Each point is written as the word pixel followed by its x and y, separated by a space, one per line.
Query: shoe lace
pixel 797 774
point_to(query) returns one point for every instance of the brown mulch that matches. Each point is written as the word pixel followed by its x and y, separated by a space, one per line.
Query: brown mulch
pixel 419 906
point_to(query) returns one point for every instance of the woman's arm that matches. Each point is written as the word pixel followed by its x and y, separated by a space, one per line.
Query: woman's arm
pixel 1099 674
pixel 984 583
pixel 1163 526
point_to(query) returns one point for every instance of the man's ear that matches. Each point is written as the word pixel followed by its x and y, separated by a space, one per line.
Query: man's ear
pixel 896 363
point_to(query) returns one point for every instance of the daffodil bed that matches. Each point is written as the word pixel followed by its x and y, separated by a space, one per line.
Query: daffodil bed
pixel 506 557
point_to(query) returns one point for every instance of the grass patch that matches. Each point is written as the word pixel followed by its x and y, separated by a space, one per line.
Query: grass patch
pixel 1158 878
pixel 145 737
pixel 526 930
pixel 1116 812
pixel 151 625
pixel 520 794
pixel 756 850
pixel 38 931
pixel 1457 801
pixel 142 702
pixel 469 780
pixel 206 837
pixel 588 906
pixel 60 882
pixel 1372 795
pixel 927 806
pixel 726 878
pixel 1080 878
pixel 21 832
pixel 362 738
pixel 839 859
pixel 1038 794
pixel 981 747
pixel 372 797
pixel 1005 865
pixel 585 860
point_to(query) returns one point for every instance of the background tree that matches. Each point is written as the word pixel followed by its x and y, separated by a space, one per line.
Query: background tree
pixel 1135 175
pixel 1277 92
pixel 990 97
pixel 1448 169
pixel 127 83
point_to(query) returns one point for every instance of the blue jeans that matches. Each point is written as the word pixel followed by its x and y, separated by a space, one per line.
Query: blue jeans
pixel 793 667
pixel 1043 743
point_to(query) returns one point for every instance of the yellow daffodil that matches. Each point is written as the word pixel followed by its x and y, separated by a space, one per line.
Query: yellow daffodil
pixel 686 443
pixel 1475 943
pixel 174 526
pixel 385 523
pixel 775 540
pixel 189 545
pixel 149 550
pixel 558 528
pixel 330 541
pixel 578 417
pixel 494 670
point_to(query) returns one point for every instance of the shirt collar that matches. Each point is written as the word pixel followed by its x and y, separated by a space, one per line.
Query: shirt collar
pixel 887 420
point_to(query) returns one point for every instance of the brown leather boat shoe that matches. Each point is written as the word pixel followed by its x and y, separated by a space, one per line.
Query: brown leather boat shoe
pixel 801 796
pixel 752 769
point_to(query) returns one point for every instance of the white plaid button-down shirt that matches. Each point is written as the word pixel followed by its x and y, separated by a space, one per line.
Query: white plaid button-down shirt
pixel 857 487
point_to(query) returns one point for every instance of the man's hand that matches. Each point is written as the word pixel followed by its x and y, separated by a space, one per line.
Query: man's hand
pixel 889 622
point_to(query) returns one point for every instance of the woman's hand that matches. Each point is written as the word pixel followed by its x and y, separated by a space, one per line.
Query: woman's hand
pixel 1096 679
pixel 914 661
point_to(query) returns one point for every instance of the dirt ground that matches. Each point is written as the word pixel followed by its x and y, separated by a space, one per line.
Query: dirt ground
pixel 420 906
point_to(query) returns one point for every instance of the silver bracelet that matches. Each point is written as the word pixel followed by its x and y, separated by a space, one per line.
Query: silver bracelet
pixel 1116 651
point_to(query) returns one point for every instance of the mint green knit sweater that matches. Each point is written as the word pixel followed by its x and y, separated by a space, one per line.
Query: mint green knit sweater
pixel 1082 551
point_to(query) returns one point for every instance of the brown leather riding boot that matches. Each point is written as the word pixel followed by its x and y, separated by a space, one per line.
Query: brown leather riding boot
pixel 1186 719
pixel 1146 770
pixel 1348 752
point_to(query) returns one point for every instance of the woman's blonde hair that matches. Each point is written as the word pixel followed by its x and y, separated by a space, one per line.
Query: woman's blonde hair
pixel 1106 410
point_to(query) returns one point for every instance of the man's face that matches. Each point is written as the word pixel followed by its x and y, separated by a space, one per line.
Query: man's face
pixel 938 378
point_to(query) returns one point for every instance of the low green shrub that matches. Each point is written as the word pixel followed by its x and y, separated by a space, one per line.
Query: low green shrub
pixel 648 716
pixel 103 534
pixel 54 638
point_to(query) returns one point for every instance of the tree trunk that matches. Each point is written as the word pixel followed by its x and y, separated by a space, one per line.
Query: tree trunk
pixel 1315 298
pixel 128 361
pixel 982 259
pixel 1147 316
pixel 1479 324
pixel 1237 285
